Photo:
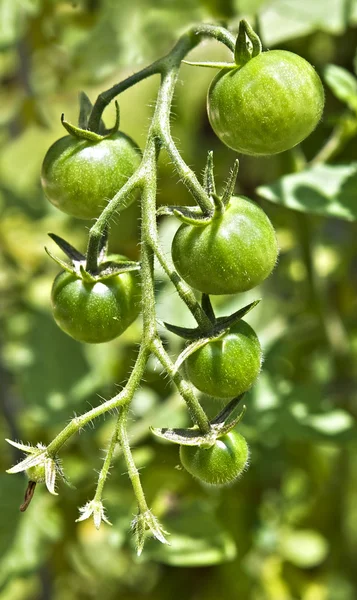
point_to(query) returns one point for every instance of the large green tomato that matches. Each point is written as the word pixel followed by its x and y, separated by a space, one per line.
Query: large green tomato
pixel 228 366
pixel 267 106
pixel 219 465
pixel 95 312
pixel 232 254
pixel 79 176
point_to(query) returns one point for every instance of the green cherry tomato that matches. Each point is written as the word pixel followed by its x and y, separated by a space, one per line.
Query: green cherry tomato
pixel 232 254
pixel 79 176
pixel 95 312
pixel 228 366
pixel 219 465
pixel 267 106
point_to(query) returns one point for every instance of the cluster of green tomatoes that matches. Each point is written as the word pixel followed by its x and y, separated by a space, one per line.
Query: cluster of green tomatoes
pixel 266 105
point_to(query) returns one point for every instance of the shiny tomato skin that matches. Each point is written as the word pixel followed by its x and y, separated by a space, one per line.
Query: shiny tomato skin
pixel 95 312
pixel 228 366
pixel 79 177
pixel 221 464
pixel 268 105
pixel 232 254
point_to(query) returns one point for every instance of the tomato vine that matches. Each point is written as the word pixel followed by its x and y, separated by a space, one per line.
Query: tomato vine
pixel 205 437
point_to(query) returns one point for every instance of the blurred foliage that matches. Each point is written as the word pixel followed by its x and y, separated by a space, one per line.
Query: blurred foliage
pixel 288 529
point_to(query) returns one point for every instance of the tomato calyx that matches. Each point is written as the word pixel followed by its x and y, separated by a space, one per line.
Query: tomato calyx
pixel 193 215
pixel 220 425
pixel 248 45
pixel 108 266
pixel 201 337
pixel 81 132
pixel 39 468
pixel 219 326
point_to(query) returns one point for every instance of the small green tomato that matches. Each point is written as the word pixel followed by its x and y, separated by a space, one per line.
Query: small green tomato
pixel 79 177
pixel 268 105
pixel 232 254
pixel 95 312
pixel 228 366
pixel 221 464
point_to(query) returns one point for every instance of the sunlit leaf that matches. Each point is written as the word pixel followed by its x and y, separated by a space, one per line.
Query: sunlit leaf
pixel 343 84
pixel 283 20
pixel 305 548
pixel 326 190
pixel 196 540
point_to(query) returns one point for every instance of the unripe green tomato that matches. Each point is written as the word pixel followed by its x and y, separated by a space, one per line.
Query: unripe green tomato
pixel 80 176
pixel 219 465
pixel 228 366
pixel 267 106
pixel 36 473
pixel 232 254
pixel 95 312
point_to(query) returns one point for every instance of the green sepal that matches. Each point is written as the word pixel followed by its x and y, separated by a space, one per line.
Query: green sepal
pixel 106 268
pixel 254 40
pixel 73 254
pixel 189 211
pixel 211 64
pixel 115 127
pixel 219 426
pixel 230 185
pixel 191 215
pixel 85 276
pixel 229 425
pixel 87 134
pixel 184 217
pixel 85 109
pixel 219 326
pixel 110 269
pixel 196 345
pixel 78 132
pixel 146 522
pixel 208 175
pixel 30 461
pixel 185 437
pixel 219 329
pixel 23 447
pixel 241 51
pixel 224 323
pixel 227 411
pixel 248 44
pixel 61 263
pixel 184 332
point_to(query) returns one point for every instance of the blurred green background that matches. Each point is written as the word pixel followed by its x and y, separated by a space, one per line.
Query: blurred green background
pixel 288 529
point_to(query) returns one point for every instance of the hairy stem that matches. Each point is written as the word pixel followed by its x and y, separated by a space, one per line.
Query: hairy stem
pixel 187 42
pixel 129 461
pixel 121 399
pixel 104 472
pixel 145 179
pixel 196 411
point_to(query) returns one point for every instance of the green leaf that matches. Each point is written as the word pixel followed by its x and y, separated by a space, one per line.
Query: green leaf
pixel 283 20
pixel 332 423
pixel 343 84
pixel 29 543
pixel 326 190
pixel 305 548
pixel 196 539
pixel 13 15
